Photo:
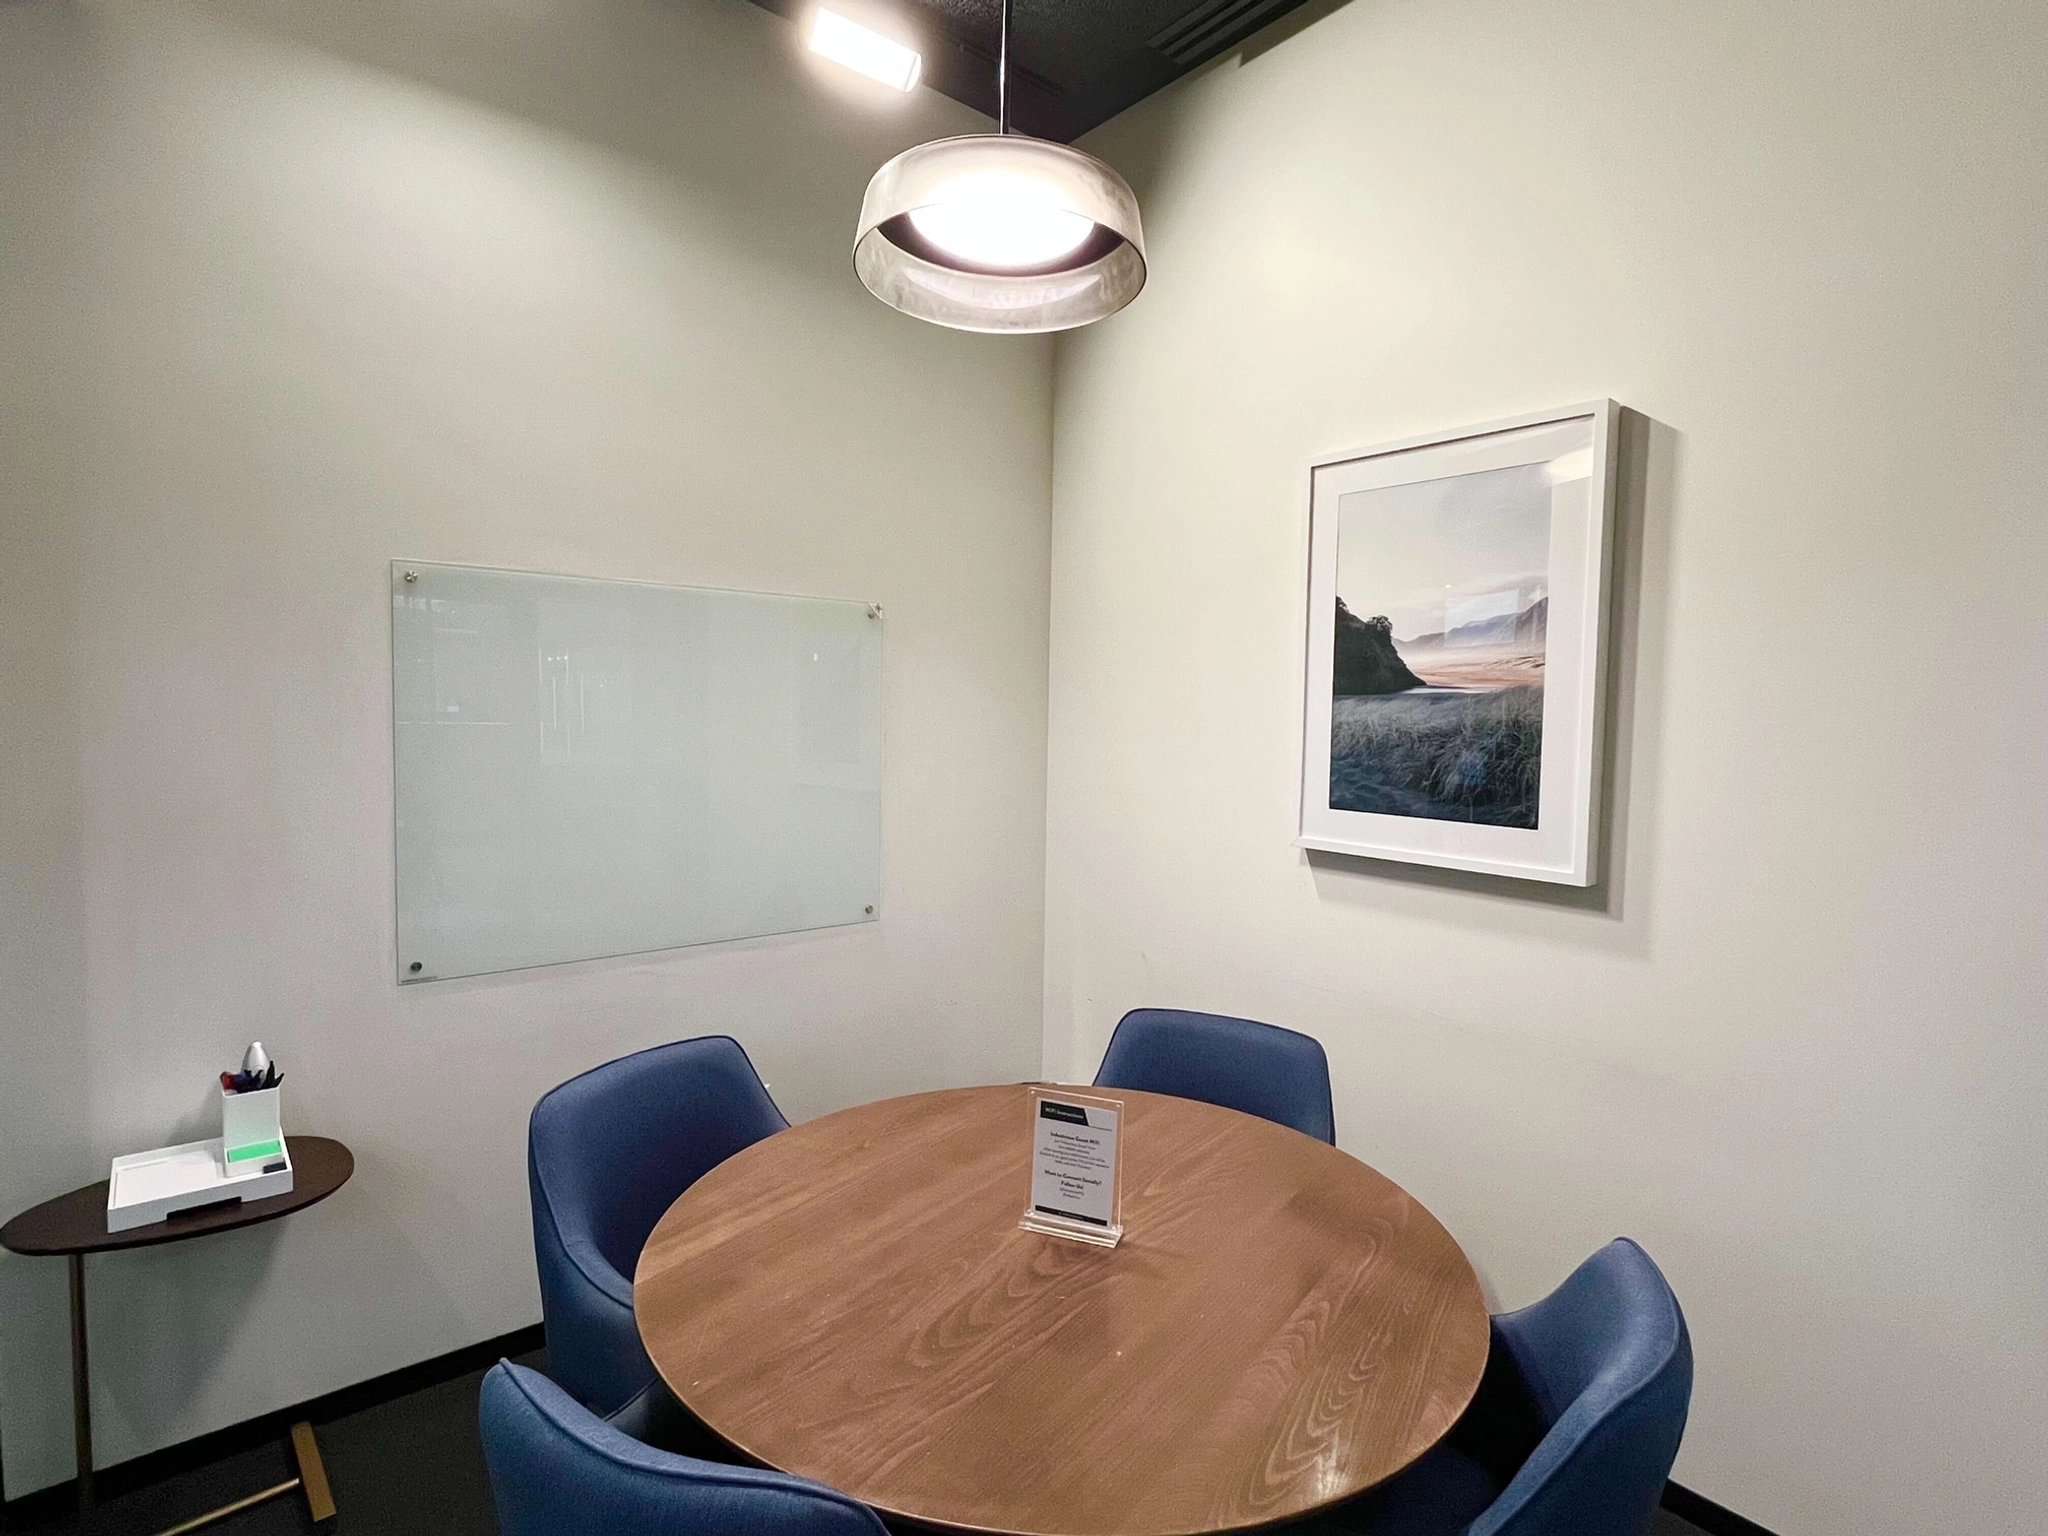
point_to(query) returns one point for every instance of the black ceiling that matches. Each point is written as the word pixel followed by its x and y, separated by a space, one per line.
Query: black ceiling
pixel 1073 63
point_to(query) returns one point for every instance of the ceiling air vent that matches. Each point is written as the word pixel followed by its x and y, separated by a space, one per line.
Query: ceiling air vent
pixel 1211 27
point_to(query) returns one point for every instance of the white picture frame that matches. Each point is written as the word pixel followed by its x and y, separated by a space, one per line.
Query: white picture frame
pixel 1429 757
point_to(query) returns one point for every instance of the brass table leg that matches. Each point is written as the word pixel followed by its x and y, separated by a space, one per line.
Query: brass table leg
pixel 305 1449
pixel 312 1477
pixel 312 1473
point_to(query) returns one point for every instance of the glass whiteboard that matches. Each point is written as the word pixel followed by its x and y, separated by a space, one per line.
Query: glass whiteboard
pixel 588 768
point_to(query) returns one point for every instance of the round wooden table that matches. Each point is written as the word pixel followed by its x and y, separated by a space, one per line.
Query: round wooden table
pixel 852 1300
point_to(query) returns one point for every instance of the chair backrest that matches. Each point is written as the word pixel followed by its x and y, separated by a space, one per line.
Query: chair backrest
pixel 1261 1069
pixel 558 1470
pixel 612 1149
pixel 1601 1373
pixel 606 1154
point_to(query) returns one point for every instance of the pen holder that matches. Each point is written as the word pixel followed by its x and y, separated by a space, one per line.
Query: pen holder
pixel 249 1127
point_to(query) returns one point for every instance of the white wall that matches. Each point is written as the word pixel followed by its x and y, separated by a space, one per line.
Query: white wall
pixel 1796 1044
pixel 288 289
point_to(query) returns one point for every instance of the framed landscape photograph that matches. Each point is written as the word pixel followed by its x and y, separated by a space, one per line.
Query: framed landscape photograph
pixel 1457 636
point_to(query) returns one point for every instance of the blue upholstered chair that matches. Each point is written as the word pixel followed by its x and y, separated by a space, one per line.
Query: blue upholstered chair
pixel 558 1470
pixel 1259 1068
pixel 1575 1424
pixel 606 1154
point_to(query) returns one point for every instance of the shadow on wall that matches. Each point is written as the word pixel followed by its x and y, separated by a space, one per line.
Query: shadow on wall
pixel 170 1314
pixel 615 74
pixel 178 1316
pixel 1294 23
pixel 1637 645
pixel 45 969
pixel 1139 157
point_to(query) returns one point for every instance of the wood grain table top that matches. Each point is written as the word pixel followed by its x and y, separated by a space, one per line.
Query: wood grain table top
pixel 77 1222
pixel 852 1300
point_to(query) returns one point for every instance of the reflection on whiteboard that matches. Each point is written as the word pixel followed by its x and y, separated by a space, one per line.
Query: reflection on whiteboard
pixel 588 768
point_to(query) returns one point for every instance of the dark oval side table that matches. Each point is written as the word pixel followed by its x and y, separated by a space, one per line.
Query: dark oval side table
pixel 74 1225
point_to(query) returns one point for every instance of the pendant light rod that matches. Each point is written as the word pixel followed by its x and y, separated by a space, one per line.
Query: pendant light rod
pixel 1003 73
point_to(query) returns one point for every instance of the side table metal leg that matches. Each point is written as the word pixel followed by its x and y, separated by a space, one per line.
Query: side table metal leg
pixel 312 1474
pixel 312 1480
pixel 81 1386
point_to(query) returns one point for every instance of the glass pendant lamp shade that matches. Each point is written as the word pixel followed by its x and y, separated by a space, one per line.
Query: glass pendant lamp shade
pixel 999 232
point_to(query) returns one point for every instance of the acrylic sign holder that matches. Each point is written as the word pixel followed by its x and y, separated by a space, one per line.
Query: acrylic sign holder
pixel 1077 1166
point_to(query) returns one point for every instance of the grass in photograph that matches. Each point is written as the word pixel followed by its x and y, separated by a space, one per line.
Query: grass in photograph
pixel 1452 756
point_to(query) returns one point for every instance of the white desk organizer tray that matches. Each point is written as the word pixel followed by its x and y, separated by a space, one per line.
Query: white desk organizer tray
pixel 147 1187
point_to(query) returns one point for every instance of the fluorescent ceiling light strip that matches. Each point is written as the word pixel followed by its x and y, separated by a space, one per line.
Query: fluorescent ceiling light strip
pixel 864 51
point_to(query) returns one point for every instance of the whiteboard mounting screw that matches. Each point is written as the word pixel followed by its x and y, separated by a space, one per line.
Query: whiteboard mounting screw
pixel 874 610
pixel 869 910
pixel 411 576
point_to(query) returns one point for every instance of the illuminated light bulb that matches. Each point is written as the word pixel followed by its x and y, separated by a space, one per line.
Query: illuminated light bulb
pixel 1001 221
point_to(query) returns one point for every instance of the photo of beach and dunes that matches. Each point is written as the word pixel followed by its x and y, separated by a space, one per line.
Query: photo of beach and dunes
pixel 1443 605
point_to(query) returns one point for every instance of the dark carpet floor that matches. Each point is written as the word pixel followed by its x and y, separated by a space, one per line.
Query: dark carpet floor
pixel 409 1467
pixel 412 1465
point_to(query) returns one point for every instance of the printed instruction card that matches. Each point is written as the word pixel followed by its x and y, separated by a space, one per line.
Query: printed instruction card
pixel 1076 1166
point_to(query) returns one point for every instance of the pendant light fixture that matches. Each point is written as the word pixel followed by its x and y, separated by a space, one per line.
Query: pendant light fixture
pixel 1000 231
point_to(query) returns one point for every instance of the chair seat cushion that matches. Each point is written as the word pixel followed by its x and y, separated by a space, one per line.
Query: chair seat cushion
pixel 1440 1495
